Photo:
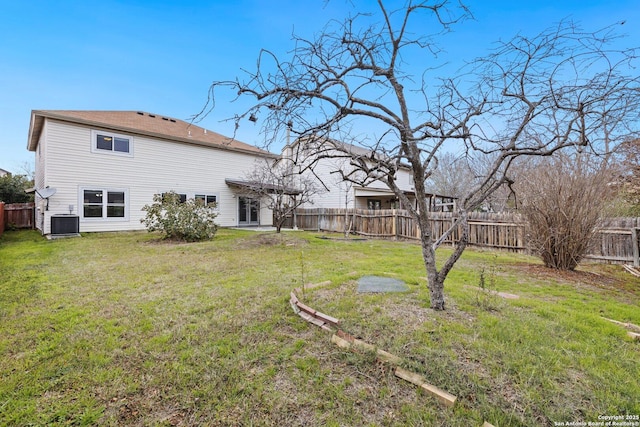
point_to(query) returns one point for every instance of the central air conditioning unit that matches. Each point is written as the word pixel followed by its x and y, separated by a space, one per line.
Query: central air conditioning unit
pixel 65 225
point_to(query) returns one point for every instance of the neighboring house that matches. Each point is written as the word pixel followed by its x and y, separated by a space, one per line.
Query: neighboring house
pixel 338 193
pixel 104 166
pixel 4 172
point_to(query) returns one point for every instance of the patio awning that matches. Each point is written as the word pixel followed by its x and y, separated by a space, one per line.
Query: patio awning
pixel 384 192
pixel 260 187
pixel 373 192
pixel 376 192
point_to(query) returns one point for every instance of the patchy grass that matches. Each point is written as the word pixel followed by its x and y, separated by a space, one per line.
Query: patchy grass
pixel 124 329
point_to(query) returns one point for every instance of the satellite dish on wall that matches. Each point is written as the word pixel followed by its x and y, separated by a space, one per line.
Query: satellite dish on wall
pixel 45 193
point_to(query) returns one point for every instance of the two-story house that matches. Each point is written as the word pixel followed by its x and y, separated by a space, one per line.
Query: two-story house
pixel 328 161
pixel 101 167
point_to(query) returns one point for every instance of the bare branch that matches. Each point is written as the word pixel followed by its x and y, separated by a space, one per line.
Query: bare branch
pixel 347 95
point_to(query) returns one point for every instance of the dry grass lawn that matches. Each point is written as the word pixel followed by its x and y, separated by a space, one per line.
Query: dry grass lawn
pixel 124 329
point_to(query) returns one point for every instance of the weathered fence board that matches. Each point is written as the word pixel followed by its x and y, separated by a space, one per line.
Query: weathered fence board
pixel 1 218
pixel 19 215
pixel 615 241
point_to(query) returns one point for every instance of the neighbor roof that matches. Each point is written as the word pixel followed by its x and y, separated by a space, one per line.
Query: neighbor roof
pixel 140 123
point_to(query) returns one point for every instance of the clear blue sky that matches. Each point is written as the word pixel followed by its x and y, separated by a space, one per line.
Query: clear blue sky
pixel 161 56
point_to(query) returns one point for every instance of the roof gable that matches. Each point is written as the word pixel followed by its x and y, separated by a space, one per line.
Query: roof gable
pixel 140 123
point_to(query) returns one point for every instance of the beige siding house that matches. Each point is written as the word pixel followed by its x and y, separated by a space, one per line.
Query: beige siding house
pixel 100 168
pixel 338 193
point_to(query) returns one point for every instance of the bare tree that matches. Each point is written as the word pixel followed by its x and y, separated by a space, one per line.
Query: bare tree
pixel 628 179
pixel 280 187
pixel 531 96
pixel 348 221
pixel 454 176
pixel 563 199
pixel 28 169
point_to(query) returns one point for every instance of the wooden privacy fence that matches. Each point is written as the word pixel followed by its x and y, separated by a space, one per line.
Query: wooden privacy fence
pixel 616 240
pixel 18 215
pixel 1 218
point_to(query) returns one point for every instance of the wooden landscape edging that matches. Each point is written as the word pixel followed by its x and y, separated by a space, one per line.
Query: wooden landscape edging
pixel 632 330
pixel 443 397
pixel 381 355
pixel 344 340
pixel 626 325
pixel 312 316
pixel 347 341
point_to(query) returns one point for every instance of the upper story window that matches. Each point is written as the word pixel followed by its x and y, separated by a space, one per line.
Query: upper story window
pixel 107 142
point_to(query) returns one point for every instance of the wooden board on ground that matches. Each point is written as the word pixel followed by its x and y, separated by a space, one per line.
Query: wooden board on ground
pixel 442 396
pixel 626 325
pixel 328 319
pixel 382 355
pixel 340 342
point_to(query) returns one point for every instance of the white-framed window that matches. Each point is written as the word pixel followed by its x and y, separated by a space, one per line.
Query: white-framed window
pixel 111 143
pixel 104 203
pixel 182 196
pixel 207 198
pixel 374 204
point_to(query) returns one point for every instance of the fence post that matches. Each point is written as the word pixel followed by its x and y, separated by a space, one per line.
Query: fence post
pixel 1 218
pixel 456 231
pixel 636 248
pixel 395 224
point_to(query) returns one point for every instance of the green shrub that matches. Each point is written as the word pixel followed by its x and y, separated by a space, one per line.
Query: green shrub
pixel 191 220
pixel 12 189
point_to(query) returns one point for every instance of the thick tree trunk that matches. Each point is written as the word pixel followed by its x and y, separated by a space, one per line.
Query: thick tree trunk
pixel 436 278
pixel 436 294
pixel 435 283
